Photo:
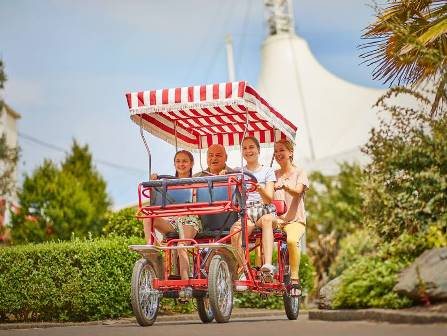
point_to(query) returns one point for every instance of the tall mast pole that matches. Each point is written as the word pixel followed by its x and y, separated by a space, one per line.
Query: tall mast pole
pixel 280 20
pixel 230 58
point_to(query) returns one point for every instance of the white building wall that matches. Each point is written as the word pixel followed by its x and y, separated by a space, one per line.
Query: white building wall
pixel 8 126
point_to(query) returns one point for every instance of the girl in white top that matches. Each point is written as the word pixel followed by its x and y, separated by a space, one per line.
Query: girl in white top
pixel 260 210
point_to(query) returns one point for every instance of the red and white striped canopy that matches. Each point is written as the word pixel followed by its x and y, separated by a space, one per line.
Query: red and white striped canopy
pixel 202 115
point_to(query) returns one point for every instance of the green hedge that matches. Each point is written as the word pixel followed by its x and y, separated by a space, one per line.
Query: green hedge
pixel 77 280
pixel 123 223
pixel 82 280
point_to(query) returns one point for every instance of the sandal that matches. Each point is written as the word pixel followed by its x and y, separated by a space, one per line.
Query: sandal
pixel 295 288
pixel 184 295
pixel 267 272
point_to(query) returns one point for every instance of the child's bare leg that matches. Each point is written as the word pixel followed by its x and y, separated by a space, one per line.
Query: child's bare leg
pixel 190 233
pixel 162 225
pixel 236 240
pixel 266 223
pixel 147 229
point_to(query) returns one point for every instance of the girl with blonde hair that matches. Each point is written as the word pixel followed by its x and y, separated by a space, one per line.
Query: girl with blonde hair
pixel 291 185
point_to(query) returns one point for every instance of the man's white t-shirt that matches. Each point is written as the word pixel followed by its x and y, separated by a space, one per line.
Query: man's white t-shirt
pixel 263 174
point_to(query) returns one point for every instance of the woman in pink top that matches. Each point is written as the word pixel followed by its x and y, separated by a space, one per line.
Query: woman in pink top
pixel 291 184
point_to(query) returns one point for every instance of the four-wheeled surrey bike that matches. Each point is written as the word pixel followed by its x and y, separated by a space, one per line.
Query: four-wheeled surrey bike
pixel 194 118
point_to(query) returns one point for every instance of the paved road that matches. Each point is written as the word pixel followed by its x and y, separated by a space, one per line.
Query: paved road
pixel 270 326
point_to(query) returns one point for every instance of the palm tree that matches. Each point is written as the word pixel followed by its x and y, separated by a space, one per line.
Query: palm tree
pixel 407 44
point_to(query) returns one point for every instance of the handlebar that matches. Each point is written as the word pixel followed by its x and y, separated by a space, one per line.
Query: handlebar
pixel 169 177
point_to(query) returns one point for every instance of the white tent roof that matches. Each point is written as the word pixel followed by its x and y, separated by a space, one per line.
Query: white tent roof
pixel 335 115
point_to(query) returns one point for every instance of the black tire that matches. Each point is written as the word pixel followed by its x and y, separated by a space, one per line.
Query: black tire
pixel 204 309
pixel 291 303
pixel 145 300
pixel 291 306
pixel 220 289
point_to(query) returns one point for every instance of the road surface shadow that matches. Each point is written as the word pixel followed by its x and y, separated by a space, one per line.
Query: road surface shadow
pixel 194 322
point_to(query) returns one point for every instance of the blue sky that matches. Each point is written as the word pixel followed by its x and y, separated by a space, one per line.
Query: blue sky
pixel 70 62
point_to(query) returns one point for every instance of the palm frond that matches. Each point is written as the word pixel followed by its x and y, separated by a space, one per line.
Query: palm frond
pixel 408 41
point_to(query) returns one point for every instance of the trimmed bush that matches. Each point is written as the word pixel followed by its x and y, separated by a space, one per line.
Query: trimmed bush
pixel 123 223
pixel 82 280
pixel 78 280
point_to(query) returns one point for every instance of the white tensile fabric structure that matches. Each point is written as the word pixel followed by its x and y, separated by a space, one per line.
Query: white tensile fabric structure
pixel 335 116
pixel 196 117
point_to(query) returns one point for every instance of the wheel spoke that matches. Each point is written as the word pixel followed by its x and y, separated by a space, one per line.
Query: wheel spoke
pixel 148 296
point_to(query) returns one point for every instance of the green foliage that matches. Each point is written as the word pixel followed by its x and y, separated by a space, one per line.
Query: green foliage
pixel 407 44
pixel 3 77
pixel 8 161
pixel 351 249
pixel 406 182
pixel 77 280
pixel 123 223
pixel 8 156
pixel 81 280
pixel 334 206
pixel 58 202
pixel 369 282
pixel 306 273
pixel 254 300
pixel 79 165
pixel 53 206
pixel 172 306
pixel 405 206
pixel 334 202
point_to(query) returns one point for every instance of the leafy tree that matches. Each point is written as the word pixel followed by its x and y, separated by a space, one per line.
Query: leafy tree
pixel 408 44
pixel 8 161
pixel 405 203
pixel 79 164
pixel 334 203
pixel 53 205
pixel 8 155
pixel 3 77
pixel 406 182
pixel 57 202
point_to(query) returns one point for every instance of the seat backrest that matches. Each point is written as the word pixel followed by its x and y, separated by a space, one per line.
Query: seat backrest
pixel 281 207
pixel 217 193
pixel 216 221
pixel 176 196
